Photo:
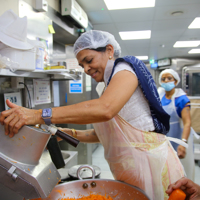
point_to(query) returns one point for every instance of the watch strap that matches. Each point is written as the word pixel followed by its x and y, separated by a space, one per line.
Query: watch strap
pixel 47 121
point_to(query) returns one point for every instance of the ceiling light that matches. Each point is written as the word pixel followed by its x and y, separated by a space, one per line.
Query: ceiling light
pixel 187 44
pixel 142 57
pixel 194 51
pixel 127 4
pixel 177 13
pixel 195 23
pixel 135 35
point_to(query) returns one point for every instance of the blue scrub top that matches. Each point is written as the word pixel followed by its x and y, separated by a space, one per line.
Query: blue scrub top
pixel 180 103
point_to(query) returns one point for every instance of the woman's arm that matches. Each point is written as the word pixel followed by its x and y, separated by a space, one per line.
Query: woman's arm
pixel 121 87
pixel 85 136
pixel 119 91
pixel 185 114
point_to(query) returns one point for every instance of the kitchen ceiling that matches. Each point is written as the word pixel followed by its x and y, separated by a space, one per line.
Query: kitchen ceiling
pixel 166 28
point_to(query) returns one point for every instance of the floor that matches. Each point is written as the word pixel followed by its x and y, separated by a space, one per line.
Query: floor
pixel 99 160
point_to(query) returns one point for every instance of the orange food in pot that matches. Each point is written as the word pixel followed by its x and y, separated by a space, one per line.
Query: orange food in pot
pixel 91 197
pixel 177 194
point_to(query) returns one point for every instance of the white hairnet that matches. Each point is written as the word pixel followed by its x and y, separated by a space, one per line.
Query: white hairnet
pixel 94 39
pixel 172 72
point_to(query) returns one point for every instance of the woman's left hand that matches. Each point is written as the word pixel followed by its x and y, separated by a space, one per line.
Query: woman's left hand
pixel 181 150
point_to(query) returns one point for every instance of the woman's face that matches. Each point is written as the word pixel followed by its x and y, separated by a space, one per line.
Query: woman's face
pixel 167 77
pixel 94 63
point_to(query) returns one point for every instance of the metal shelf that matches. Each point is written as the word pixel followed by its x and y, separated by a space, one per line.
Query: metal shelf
pixel 30 74
pixel 52 74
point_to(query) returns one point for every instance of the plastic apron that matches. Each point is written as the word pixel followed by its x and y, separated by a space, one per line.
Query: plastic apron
pixel 143 159
pixel 176 132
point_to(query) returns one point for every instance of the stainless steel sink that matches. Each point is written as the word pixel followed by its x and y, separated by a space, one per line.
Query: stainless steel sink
pixel 65 155
pixel 70 158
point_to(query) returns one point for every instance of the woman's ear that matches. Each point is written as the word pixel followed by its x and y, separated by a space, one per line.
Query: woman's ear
pixel 175 82
pixel 110 50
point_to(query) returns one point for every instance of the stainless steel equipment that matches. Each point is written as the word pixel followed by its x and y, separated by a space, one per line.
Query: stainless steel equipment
pixel 191 80
pixel 114 189
pixel 55 131
pixel 25 167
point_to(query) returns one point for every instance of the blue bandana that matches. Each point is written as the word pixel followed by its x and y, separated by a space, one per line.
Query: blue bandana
pixel 148 86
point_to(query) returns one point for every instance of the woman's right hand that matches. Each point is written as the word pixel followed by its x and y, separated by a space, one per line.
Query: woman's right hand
pixel 17 117
pixel 181 151
pixel 191 189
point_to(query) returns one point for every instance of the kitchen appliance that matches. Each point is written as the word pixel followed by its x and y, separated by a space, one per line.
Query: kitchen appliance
pixel 72 9
pixel 25 167
pixel 191 80
pixel 115 189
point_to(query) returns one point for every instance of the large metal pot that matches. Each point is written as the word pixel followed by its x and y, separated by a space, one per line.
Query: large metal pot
pixel 115 189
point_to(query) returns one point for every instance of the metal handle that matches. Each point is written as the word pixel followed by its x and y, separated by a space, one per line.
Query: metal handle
pixel 55 131
pixel 71 140
pixel 85 166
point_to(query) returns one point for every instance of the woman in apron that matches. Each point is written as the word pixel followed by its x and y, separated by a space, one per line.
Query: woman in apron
pixel 128 118
pixel 177 105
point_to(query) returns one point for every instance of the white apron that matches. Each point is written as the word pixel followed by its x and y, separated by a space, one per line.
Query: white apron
pixel 176 132
pixel 143 159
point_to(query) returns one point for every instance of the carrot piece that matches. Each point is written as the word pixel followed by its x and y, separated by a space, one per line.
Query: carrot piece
pixel 177 194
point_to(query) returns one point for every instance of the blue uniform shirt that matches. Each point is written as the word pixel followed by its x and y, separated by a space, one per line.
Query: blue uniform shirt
pixel 180 103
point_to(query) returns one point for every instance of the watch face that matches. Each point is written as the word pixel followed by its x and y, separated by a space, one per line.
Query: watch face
pixel 46 112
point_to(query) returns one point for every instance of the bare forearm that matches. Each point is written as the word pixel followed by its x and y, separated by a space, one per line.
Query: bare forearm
pixel 87 112
pixel 186 132
pixel 186 122
pixel 185 114
pixel 85 136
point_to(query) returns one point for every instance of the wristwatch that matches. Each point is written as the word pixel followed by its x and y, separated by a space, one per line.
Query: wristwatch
pixel 46 115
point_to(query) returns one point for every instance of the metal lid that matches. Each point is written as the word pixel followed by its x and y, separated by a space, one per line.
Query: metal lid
pixel 85 173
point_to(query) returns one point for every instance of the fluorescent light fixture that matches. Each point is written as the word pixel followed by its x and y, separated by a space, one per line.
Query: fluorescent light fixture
pixel 194 51
pixel 186 44
pixel 195 23
pixel 127 4
pixel 135 35
pixel 142 57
